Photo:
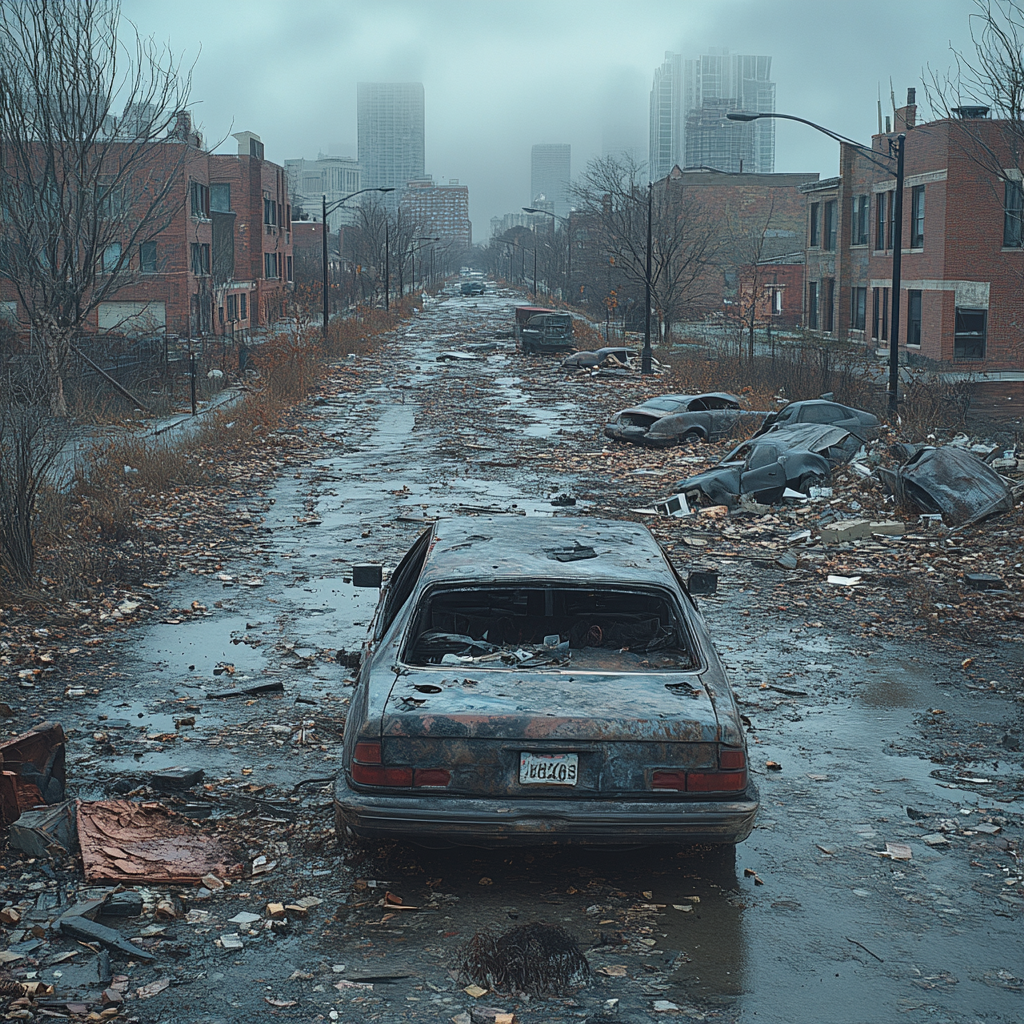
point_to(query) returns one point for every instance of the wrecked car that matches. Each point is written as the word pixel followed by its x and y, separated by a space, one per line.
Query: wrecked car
pixel 863 425
pixel 682 419
pixel 533 681
pixel 472 288
pixel 547 332
pixel 951 481
pixel 612 356
pixel 796 458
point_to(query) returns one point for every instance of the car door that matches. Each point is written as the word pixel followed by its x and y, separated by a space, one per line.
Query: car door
pixel 720 423
pixel 764 478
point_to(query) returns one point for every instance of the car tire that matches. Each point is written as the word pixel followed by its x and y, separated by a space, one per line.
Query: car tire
pixel 691 437
pixel 807 481
pixel 527 348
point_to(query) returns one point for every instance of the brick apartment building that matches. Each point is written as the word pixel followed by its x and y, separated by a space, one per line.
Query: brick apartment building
pixel 222 264
pixel 962 255
pixel 760 220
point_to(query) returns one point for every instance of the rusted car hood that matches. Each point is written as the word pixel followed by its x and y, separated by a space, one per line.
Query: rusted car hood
pixel 555 704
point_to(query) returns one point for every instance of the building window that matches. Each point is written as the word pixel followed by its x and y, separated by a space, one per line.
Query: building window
pixel 880 222
pixel 147 258
pixel 858 307
pixel 830 305
pixel 220 197
pixel 861 213
pixel 269 211
pixel 200 199
pixel 289 260
pixel 815 225
pixel 969 339
pixel 243 303
pixel 200 253
pixel 917 217
pixel 111 257
pixel 812 305
pixel 880 314
pixel 232 308
pixel 891 223
pixel 271 265
pixel 885 314
pixel 914 318
pixel 1013 208
pixel 830 225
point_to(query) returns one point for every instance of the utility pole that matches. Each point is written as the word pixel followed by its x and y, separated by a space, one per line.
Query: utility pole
pixel 387 262
pixel 897 268
pixel 645 360
pixel 323 224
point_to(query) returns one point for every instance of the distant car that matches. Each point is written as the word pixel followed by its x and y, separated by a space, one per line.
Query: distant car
pixel 547 331
pixel 796 458
pixel 610 356
pixel 472 288
pixel 863 424
pixel 541 681
pixel 681 419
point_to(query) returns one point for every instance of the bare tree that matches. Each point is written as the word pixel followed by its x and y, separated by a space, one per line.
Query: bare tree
pixel 81 188
pixel 612 199
pixel 31 442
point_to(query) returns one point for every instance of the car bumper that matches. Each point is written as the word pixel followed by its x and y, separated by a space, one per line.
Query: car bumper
pixel 634 435
pixel 469 821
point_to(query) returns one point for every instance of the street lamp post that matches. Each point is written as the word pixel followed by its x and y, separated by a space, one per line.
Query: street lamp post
pixel 567 221
pixel 897 240
pixel 336 206
pixel 645 357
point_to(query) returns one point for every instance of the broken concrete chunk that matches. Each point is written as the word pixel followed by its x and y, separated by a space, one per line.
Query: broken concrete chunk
pixel 846 530
pixel 984 581
pixel 231 942
pixel 46 832
pixel 275 910
pixel 176 778
pixel 122 904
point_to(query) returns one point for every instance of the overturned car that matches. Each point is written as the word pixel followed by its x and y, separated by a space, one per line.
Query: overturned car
pixel 542 681
pixel 681 419
pixel 795 458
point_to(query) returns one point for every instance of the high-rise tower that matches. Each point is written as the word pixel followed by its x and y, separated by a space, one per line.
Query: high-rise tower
pixel 389 121
pixel 549 176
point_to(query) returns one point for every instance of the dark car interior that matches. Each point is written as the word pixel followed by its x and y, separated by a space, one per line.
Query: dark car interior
pixel 549 625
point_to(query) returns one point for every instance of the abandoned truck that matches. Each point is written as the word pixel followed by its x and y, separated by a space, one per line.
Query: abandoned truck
pixel 543 330
pixel 534 681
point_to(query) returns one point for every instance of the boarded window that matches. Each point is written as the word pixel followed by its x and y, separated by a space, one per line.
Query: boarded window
pixel 131 317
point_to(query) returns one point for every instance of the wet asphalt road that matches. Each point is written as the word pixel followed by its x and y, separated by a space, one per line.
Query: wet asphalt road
pixel 836 931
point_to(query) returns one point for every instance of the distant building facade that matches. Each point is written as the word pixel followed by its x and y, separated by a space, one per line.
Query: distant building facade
pixel 223 263
pixel 550 174
pixel 439 211
pixel 689 101
pixel 390 126
pixel 332 176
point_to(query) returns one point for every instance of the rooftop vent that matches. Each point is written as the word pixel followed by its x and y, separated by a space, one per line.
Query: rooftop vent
pixel 970 113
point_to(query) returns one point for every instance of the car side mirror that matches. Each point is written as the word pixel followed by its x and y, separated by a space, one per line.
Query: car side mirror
pixel 367 574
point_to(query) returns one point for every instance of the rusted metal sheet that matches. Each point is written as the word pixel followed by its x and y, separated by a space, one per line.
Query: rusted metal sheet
pixel 31 771
pixel 124 841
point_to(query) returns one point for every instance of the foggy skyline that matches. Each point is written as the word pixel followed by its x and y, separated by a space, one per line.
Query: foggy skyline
pixel 499 79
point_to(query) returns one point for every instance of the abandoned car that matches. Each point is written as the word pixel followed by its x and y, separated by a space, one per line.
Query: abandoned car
pixel 795 458
pixel 610 357
pixel 549 331
pixel 534 681
pixel 472 288
pixel 863 425
pixel 682 419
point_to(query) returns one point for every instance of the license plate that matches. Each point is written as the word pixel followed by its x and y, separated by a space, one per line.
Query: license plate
pixel 548 769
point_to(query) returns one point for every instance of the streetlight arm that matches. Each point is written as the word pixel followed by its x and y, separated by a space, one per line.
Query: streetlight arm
pixel 547 213
pixel 739 115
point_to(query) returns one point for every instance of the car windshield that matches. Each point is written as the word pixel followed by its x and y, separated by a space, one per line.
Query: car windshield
pixel 665 404
pixel 549 627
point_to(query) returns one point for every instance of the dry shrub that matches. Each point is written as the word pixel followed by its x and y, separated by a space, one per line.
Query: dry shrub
pixel 533 959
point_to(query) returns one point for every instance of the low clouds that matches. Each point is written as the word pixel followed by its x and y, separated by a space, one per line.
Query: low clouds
pixel 499 77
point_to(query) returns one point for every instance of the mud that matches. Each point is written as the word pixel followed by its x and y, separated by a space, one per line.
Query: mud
pixel 836 931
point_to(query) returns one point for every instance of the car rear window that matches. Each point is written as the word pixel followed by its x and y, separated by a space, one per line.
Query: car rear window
pixel 549 627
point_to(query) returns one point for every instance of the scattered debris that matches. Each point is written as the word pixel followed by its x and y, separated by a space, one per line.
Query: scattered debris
pixel 533 959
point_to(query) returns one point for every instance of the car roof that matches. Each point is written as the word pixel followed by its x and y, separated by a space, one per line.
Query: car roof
pixel 509 549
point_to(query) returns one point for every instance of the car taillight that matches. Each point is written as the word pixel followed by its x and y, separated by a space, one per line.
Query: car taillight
pixel 731 777
pixel 367 769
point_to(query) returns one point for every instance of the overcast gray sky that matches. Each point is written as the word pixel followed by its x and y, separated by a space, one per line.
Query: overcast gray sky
pixel 499 77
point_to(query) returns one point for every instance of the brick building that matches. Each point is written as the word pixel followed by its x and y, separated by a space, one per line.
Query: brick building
pixel 440 211
pixel 222 263
pixel 759 220
pixel 962 253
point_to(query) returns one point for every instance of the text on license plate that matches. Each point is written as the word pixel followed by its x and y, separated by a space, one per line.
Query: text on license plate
pixel 548 769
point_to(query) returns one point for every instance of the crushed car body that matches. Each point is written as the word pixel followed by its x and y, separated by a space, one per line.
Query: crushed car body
pixel 533 681
pixel 950 481
pixel 680 419
pixel 764 467
pixel 863 425
pixel 611 357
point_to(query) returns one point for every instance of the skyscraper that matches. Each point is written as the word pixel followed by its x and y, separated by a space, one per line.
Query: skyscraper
pixel 389 122
pixel 549 176
pixel 689 101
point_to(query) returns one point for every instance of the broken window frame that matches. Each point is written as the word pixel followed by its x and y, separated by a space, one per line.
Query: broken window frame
pixel 969 345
